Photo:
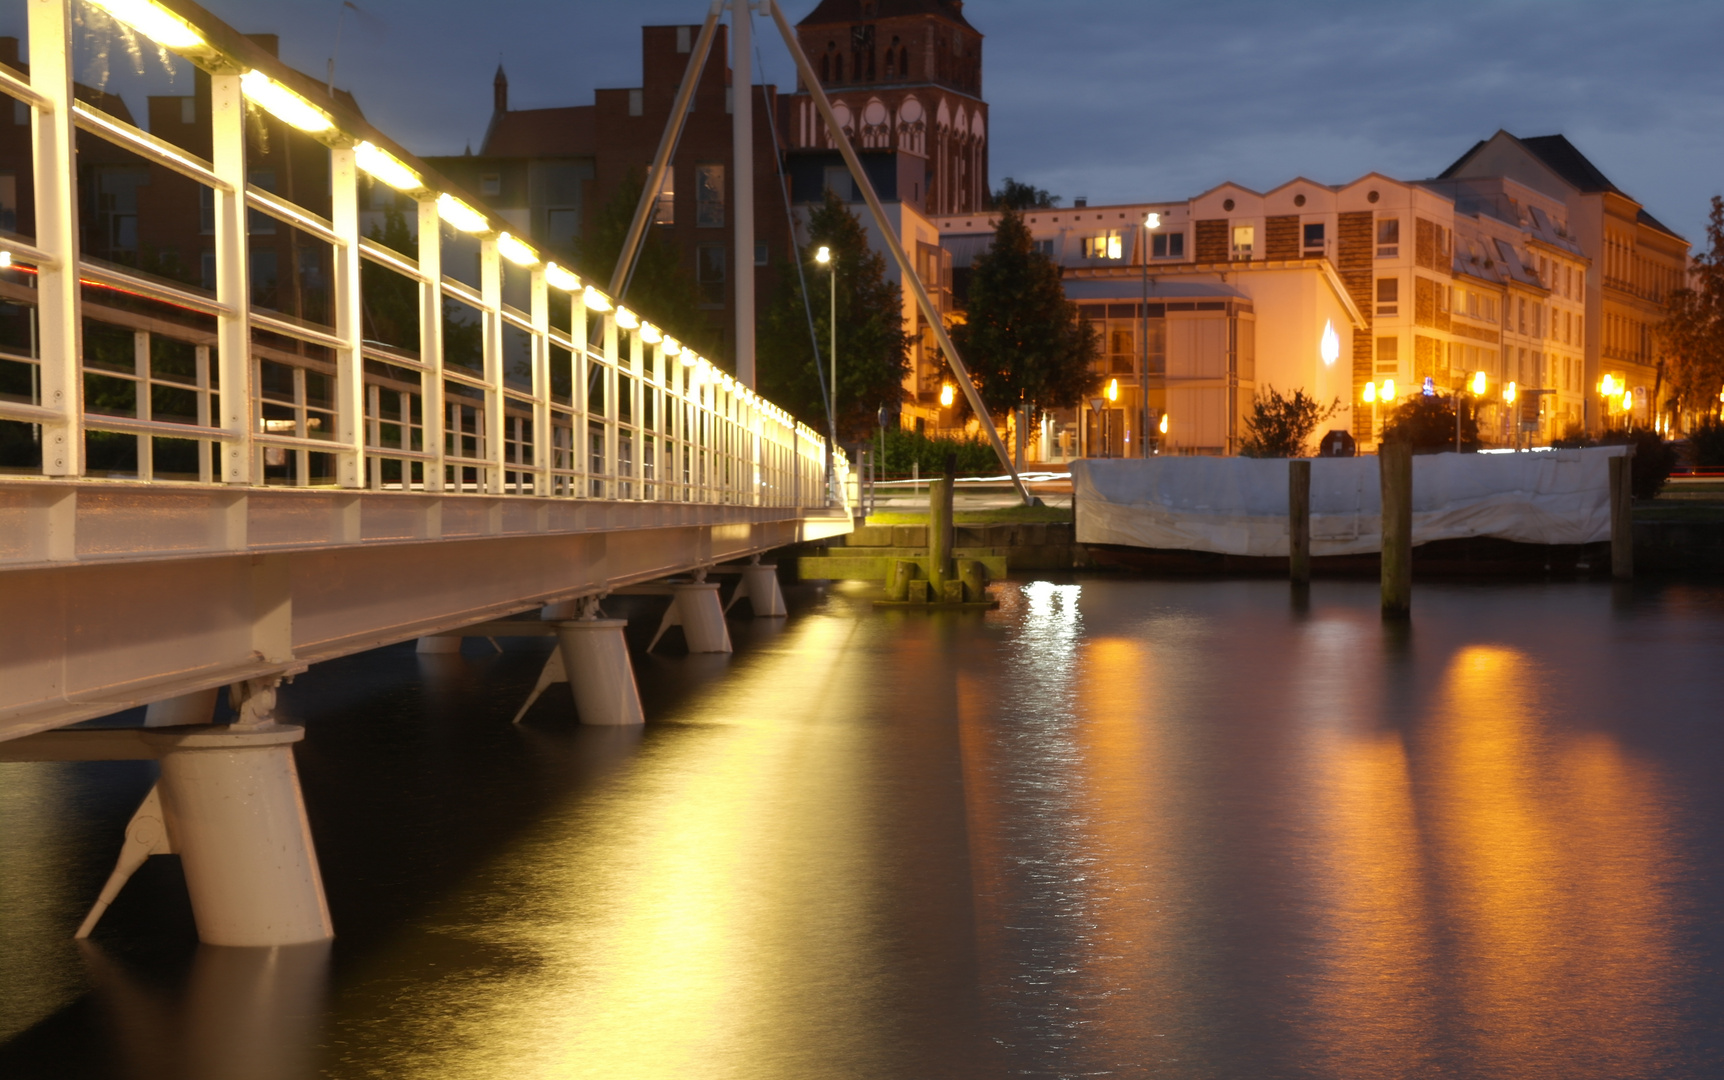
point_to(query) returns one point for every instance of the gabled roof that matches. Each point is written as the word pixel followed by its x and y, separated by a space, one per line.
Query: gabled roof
pixel 1561 157
pixel 850 11
pixel 542 133
pixel 1556 153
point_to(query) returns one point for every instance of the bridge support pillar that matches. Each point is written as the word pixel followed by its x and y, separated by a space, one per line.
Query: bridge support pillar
pixel 596 658
pixel 760 586
pixel 228 803
pixel 235 814
pixel 694 607
pixel 440 643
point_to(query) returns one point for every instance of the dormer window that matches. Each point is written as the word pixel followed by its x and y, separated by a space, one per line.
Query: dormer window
pixel 1314 237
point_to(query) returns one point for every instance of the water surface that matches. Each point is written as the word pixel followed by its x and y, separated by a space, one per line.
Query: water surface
pixel 1117 828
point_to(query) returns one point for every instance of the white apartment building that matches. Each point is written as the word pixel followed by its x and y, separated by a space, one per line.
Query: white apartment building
pixel 1328 288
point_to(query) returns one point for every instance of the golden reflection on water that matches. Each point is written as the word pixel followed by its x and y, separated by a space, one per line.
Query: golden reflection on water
pixel 646 933
pixel 1372 996
pixel 1553 848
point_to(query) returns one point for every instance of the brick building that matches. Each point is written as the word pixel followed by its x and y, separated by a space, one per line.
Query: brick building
pixel 549 172
pixel 905 80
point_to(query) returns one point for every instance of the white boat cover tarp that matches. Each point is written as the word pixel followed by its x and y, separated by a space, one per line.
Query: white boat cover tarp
pixel 1238 506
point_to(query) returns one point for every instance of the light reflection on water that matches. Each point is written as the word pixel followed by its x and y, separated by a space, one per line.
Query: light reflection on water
pixel 1117 827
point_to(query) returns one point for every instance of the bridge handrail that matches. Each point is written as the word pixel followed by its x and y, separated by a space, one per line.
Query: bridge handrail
pixel 567 395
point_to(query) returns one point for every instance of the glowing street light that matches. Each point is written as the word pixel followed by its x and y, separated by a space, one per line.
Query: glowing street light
pixel 154 22
pixel 1479 383
pixel 516 251
pixel 948 394
pixel 1112 390
pixel 459 215
pixel 283 104
pixel 561 278
pixel 382 165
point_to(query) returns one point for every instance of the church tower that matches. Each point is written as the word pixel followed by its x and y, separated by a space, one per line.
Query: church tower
pixel 904 76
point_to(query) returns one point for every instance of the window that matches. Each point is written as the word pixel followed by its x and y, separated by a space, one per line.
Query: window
pixel 257 222
pixel 1314 235
pixel 836 179
pixel 760 257
pixel 1103 246
pixel 188 110
pixel 1168 245
pixel 491 184
pixel 1045 247
pixel 709 196
pixel 1523 316
pixel 1388 238
pixel 562 228
pixel 1244 239
pixel 1388 296
pixel 709 272
pixel 684 40
pixel 664 207
pixel 1389 355
pixel 637 100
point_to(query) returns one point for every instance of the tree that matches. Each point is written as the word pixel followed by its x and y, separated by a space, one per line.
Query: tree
pixel 1279 426
pixel 1428 422
pixel 1015 196
pixel 663 290
pixel 1692 331
pixel 873 349
pixel 1022 339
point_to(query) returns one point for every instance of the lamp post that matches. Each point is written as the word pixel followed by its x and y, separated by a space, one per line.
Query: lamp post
pixel 1112 394
pixel 1478 388
pixel 823 256
pixel 1509 394
pixel 1151 221
pixel 1375 393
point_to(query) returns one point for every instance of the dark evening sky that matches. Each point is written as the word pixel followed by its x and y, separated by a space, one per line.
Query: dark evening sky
pixel 1121 99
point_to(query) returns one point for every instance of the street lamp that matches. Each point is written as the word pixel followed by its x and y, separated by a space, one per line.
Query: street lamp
pixel 1151 221
pixel 1374 393
pixel 1478 389
pixel 948 394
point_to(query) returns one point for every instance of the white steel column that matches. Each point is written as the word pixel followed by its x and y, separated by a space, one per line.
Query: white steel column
pixel 56 175
pixel 233 289
pixel 431 337
pixel 541 316
pixel 491 322
pixel 742 183
pixel 349 322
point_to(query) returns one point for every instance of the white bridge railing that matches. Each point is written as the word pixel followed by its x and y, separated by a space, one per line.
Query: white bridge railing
pixel 507 375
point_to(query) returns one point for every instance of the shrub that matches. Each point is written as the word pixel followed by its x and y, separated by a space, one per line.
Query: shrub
pixel 1279 426
pixel 1428 422
pixel 1653 459
pixel 906 448
pixel 1706 443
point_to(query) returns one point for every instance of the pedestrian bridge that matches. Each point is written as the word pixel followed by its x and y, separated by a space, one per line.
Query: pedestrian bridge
pixel 204 484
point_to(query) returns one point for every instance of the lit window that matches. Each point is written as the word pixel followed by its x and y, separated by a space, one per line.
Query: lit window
pixel 1388 238
pixel 1103 246
pixel 1244 239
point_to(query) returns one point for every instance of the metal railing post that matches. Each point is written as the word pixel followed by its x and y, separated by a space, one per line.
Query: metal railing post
pixel 431 338
pixel 540 314
pixel 233 280
pixel 350 426
pixel 491 320
pixel 57 235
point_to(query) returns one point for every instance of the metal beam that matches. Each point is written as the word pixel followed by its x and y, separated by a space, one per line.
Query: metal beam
pixel 742 182
pixel 661 161
pixel 890 235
